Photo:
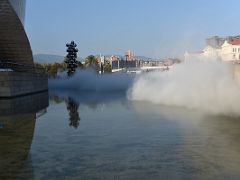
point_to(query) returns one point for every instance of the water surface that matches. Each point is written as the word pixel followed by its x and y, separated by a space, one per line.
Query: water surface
pixel 79 135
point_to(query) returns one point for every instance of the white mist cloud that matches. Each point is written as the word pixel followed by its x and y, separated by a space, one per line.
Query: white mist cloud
pixel 90 81
pixel 206 86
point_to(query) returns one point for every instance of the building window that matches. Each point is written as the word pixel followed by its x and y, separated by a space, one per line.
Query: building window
pixel 234 56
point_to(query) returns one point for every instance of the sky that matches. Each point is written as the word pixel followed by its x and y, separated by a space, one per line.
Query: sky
pixel 152 28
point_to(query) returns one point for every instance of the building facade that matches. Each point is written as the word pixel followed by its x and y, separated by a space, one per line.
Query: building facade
pixel 18 74
pixel 231 50
pixel 19 7
pixel 130 56
pixel 215 41
pixel 14 44
pixel 217 49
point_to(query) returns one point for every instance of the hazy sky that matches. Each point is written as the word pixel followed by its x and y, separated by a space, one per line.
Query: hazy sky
pixel 154 28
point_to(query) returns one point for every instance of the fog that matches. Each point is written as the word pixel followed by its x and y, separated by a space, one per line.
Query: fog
pixel 91 97
pixel 205 86
pixel 90 81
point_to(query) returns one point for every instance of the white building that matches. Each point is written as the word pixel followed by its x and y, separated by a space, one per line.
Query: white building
pixel 211 53
pixel 193 56
pixel 231 50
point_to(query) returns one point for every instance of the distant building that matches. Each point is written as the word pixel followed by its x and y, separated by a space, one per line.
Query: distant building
pixel 150 63
pixel 102 59
pixel 208 54
pixel 217 48
pixel 215 41
pixel 130 56
pixel 114 58
pixel 212 53
pixel 231 50
pixel 197 55
pixel 170 61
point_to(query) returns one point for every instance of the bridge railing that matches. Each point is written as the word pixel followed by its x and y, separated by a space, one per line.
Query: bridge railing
pixel 18 67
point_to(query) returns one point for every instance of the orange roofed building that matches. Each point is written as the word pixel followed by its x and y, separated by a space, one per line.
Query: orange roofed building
pixel 227 50
pixel 231 50
pixel 130 56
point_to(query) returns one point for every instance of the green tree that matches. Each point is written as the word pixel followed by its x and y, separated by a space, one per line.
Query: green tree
pixel 92 62
pixel 52 69
pixel 107 67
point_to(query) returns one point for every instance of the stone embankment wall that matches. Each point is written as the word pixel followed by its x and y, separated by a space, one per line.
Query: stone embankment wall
pixel 14 84
pixel 30 104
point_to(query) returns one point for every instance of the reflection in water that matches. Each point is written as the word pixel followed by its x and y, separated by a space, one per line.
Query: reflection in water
pixel 72 100
pixel 137 140
pixel 92 99
pixel 72 107
pixel 118 139
pixel 17 123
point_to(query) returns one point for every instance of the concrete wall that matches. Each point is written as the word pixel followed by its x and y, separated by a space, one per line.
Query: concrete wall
pixel 30 104
pixel 16 84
